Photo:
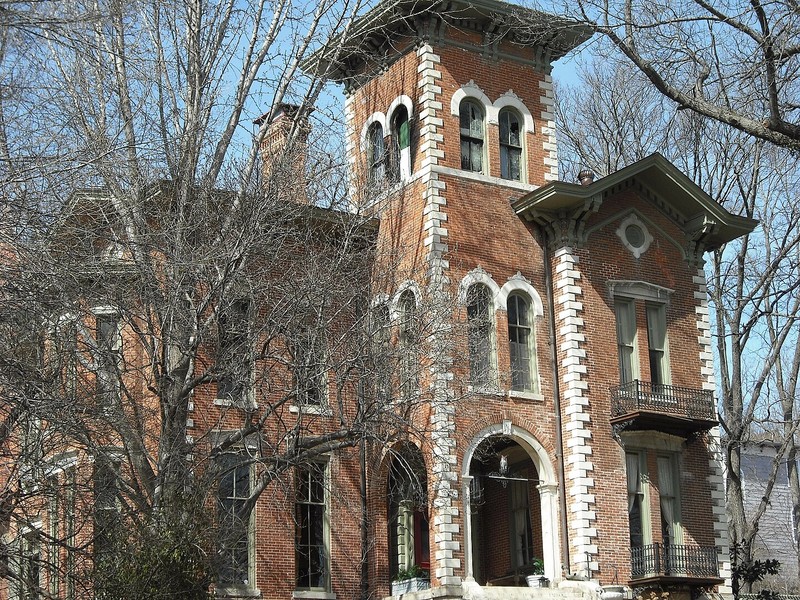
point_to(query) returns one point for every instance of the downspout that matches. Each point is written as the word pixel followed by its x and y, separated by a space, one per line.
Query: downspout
pixel 562 489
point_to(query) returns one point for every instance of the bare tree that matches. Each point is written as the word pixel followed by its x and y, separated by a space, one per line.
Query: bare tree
pixel 152 263
pixel 736 63
pixel 752 282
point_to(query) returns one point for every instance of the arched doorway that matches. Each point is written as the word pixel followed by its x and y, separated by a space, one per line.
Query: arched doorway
pixel 510 498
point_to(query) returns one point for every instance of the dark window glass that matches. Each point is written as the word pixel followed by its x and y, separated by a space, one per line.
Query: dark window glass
pixel 234 351
pixel 232 495
pixel 408 343
pixel 471 121
pixel 108 356
pixel 510 146
pixel 106 505
pixel 310 367
pixel 520 337
pixel 401 142
pixel 311 553
pixel 480 321
pixel 377 153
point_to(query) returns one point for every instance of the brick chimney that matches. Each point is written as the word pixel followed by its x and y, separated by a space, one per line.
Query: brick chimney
pixel 284 151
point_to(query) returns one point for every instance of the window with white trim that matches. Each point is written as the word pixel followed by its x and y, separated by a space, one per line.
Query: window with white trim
pixel 657 343
pixel 480 336
pixel 638 506
pixel 669 499
pixel 54 514
pixel 233 493
pixel 310 367
pixel 235 355
pixel 64 355
pixel 408 336
pixel 29 562
pixel 381 349
pixel 667 485
pixel 471 120
pixel 107 362
pixel 376 153
pixel 70 532
pixel 312 555
pixel 510 145
pixel 401 145
pixel 625 310
pixel 106 504
pixel 521 344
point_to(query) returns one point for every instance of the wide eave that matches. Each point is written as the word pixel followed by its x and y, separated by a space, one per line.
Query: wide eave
pixel 687 204
pixel 374 35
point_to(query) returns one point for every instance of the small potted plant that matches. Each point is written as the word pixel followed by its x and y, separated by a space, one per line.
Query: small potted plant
pixel 412 579
pixel 535 574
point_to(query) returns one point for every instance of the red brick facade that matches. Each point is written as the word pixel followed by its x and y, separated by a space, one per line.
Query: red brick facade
pixel 527 462
pixel 453 227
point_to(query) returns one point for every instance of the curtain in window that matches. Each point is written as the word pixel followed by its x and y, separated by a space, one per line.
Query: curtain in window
pixel 635 500
pixel 667 491
pixel 521 534
pixel 626 338
pixel 657 341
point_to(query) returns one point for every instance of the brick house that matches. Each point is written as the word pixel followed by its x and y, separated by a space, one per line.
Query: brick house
pixel 573 417
pixel 564 413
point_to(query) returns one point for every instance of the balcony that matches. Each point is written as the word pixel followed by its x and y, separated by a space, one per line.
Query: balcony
pixel 674 564
pixel 639 405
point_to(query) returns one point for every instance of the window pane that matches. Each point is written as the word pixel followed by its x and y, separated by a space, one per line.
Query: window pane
pixel 402 132
pixel 513 130
pixel 520 337
pixel 657 343
pixel 311 551
pixel 476 156
pixel 465 116
pixel 514 155
pixel 626 340
pixel 479 319
pixel 233 544
pixel 465 160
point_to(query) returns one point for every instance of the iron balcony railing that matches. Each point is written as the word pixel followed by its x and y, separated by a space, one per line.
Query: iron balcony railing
pixel 689 403
pixel 673 560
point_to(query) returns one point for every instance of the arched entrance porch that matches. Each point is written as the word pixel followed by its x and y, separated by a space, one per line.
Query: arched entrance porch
pixel 510 507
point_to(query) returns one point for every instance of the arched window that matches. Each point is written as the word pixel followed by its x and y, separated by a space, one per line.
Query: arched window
pixel 407 338
pixel 471 120
pixel 480 335
pixel 381 339
pixel 521 344
pixel 510 145
pixel 376 153
pixel 401 145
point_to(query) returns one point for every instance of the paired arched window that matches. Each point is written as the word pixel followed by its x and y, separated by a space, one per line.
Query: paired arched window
pixel 401 145
pixel 472 136
pixel 521 344
pixel 510 145
pixel 376 152
pixel 480 335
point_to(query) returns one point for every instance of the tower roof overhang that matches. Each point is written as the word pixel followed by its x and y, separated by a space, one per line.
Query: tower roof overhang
pixel 701 217
pixel 374 35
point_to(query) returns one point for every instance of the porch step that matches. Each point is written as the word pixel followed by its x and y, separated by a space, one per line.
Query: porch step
pixel 475 592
